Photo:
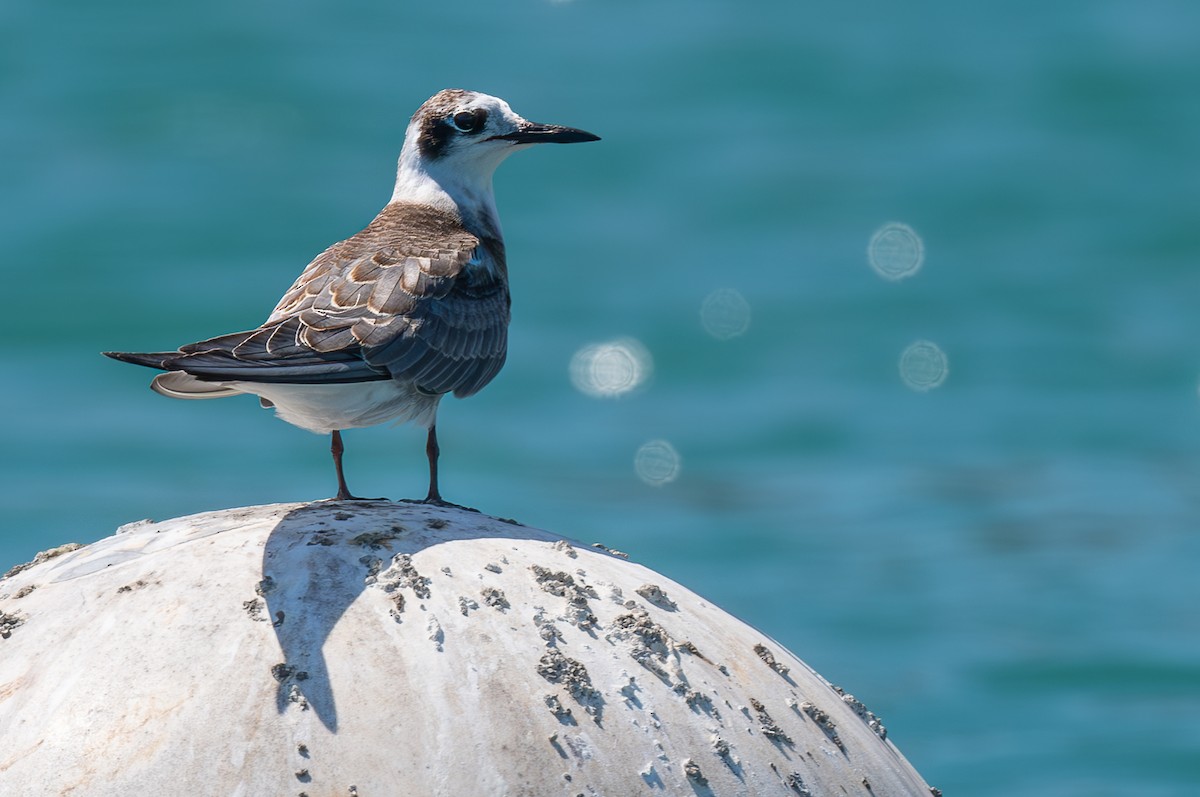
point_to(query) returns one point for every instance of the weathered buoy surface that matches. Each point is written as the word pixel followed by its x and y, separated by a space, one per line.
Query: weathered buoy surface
pixel 378 649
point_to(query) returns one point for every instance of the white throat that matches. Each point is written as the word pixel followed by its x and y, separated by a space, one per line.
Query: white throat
pixel 458 185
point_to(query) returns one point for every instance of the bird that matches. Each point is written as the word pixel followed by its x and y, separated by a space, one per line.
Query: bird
pixel 382 325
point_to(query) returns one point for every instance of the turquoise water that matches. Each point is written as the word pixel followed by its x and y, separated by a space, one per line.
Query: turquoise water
pixel 1004 567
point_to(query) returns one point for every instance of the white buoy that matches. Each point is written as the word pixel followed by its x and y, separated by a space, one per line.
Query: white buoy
pixel 380 649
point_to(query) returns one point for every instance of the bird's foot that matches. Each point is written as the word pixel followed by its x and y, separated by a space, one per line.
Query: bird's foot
pixel 344 495
pixel 437 500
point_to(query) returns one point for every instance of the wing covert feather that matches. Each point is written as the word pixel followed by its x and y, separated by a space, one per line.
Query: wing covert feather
pixel 414 296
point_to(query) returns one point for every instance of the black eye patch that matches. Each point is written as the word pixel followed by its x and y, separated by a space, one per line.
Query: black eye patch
pixel 470 121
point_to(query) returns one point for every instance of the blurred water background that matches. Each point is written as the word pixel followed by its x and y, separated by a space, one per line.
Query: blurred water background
pixel 996 550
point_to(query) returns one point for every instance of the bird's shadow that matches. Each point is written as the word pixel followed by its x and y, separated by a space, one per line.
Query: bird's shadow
pixel 321 556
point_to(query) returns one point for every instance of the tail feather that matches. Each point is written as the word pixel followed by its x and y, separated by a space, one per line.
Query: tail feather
pixel 151 359
pixel 314 369
pixel 221 360
pixel 178 385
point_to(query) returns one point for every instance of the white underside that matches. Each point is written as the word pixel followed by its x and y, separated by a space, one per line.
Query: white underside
pixel 319 408
pixel 326 408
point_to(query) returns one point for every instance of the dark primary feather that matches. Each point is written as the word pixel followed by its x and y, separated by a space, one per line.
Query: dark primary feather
pixel 413 297
pixel 150 359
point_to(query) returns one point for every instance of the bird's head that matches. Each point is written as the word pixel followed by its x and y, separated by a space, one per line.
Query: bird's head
pixel 459 137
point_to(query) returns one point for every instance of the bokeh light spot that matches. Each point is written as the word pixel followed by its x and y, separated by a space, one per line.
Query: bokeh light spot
pixel 896 251
pixel 923 366
pixel 657 463
pixel 725 314
pixel 605 370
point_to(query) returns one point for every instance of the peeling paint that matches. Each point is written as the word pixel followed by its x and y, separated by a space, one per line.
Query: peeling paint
pixel 692 649
pixel 373 564
pixel 572 674
pixel 45 556
pixel 824 722
pixel 564 585
pixel 613 551
pixel 561 712
pixel 650 646
pixel 558 748
pixel 254 608
pixel 764 653
pixel 720 746
pixel 654 594
pixel 868 716
pixel 397 609
pixel 698 701
pixel 401 574
pixel 436 635
pixel 494 597
pixel 375 540
pixel 796 784
pixel 297 697
pixel 547 630
pixel 8 623
pixel 724 751
pixel 768 727
pixel 579 747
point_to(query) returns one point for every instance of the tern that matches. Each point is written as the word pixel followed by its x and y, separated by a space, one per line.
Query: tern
pixel 380 326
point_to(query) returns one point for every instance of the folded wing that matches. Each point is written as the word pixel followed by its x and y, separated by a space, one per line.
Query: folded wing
pixel 413 297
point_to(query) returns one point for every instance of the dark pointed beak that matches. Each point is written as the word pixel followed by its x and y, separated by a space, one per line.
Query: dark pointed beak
pixel 534 133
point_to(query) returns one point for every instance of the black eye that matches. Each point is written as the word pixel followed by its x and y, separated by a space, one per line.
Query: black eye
pixel 470 121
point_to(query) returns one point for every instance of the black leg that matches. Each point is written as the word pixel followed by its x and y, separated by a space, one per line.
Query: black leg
pixel 435 497
pixel 432 451
pixel 336 448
